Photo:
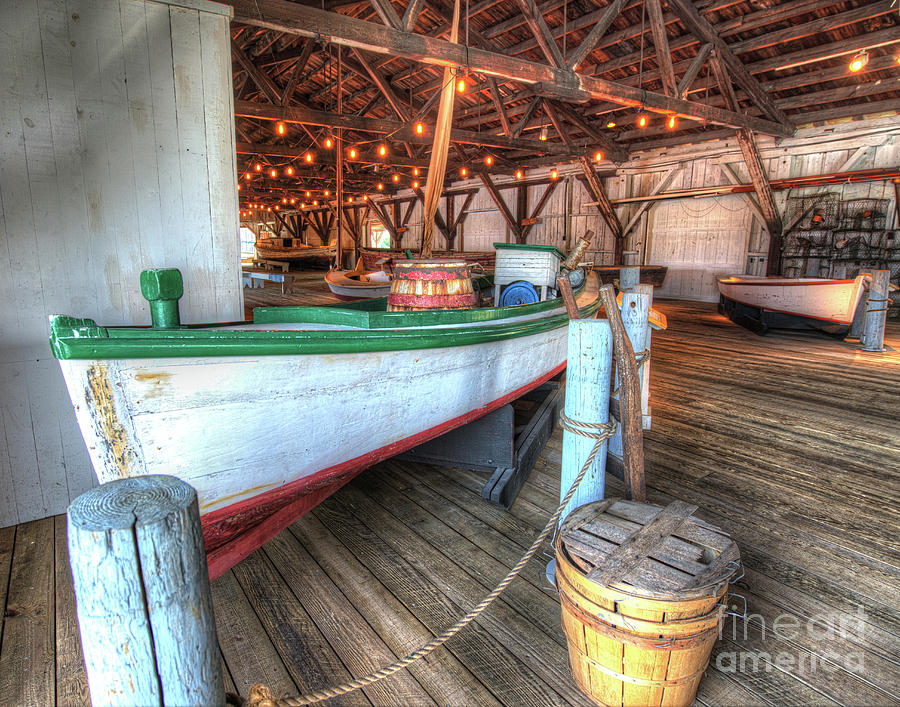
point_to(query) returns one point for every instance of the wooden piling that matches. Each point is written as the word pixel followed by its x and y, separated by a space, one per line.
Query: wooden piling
pixel 636 318
pixel 142 593
pixel 629 277
pixel 876 311
pixel 587 400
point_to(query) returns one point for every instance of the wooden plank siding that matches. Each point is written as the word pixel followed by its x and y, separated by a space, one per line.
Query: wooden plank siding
pixel 787 442
pixel 117 145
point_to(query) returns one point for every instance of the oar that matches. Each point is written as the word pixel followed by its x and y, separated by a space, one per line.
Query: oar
pixel 629 400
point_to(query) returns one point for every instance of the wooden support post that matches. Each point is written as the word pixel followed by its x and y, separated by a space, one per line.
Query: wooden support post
pixel 644 366
pixel 142 590
pixel 876 311
pixel 628 278
pixel 587 400
pixel 636 318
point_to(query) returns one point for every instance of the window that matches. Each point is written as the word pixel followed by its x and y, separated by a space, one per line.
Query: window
pixel 379 237
pixel 248 238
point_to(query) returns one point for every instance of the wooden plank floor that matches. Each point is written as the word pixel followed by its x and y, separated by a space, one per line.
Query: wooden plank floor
pixel 789 442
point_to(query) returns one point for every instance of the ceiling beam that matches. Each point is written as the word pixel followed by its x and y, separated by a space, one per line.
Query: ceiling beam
pixel 402 132
pixel 589 43
pixel 661 44
pixel 387 13
pixel 688 77
pixel 699 27
pixel 260 78
pixel 535 21
pixel 302 20
pixel 413 10
pixel 604 206
pixel 296 72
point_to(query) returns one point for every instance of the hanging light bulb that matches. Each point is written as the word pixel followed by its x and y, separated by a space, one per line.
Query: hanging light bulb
pixel 554 173
pixel 611 124
pixel 308 194
pixel 489 160
pixel 280 128
pixel 643 121
pixel 415 171
pixel 463 172
pixel 379 186
pixel 382 151
pixel 519 174
pixel 257 167
pixel 598 156
pixel 327 193
pixel 859 61
pixel 293 201
pixel 329 143
pixel 353 153
pixel 461 85
pixel 365 197
pixel 396 178
pixel 248 176
pixel 543 135
pixel 284 200
pixel 672 122
pixel 273 173
pixel 308 157
pixel 239 187
pixel 276 207
pixel 349 199
pixel 420 128
pixel 415 185
pixel 302 204
pixel 289 171
pixel 315 203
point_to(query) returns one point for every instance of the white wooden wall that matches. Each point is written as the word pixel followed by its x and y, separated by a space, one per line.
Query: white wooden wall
pixel 116 155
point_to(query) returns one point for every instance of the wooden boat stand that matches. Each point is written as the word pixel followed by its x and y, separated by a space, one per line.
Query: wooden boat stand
pixel 506 442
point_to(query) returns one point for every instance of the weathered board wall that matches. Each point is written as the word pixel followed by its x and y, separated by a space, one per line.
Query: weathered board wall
pixel 117 153
pixel 702 239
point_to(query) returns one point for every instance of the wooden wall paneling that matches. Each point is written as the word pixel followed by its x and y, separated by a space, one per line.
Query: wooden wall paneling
pixel 189 98
pixel 218 106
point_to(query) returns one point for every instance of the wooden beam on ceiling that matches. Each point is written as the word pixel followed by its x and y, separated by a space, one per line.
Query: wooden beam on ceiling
pixel 661 45
pixel 398 131
pixel 302 20
pixel 589 43
pixel 755 167
pixel 297 72
pixel 535 21
pixel 604 206
pixel 613 150
pixel 703 30
pixel 383 85
pixel 259 77
pixel 688 77
pixel 511 221
pixel 526 116
pixel 412 14
pixel 387 13
pixel 497 98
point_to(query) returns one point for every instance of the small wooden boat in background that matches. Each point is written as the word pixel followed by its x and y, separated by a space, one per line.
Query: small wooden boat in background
pixel 372 256
pixel 359 283
pixel 763 303
pixel 292 250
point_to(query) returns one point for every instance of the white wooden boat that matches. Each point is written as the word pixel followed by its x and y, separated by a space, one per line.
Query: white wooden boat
pixel 266 419
pixel 761 303
pixel 359 283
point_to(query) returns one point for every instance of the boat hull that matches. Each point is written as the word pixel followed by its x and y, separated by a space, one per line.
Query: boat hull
pixel 264 435
pixel 760 304
pixel 349 290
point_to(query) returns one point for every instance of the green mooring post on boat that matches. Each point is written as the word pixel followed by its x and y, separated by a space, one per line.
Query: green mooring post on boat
pixel 143 601
pixel 162 288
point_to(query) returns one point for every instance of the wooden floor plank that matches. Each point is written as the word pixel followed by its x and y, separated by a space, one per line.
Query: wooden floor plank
pixel 443 675
pixel 28 652
pixel 353 640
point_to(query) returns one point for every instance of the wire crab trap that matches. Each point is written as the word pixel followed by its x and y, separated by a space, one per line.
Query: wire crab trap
pixel 859 245
pixel 864 214
pixel 814 211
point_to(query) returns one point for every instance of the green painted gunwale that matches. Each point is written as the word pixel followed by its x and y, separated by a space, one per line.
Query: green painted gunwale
pixel 374 331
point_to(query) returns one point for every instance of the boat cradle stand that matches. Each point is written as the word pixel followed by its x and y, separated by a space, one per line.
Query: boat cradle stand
pixel 494 443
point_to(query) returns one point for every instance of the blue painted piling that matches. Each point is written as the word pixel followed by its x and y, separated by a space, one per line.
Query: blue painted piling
pixel 587 400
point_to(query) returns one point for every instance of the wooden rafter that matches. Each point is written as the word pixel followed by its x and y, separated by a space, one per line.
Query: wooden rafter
pixel 613 150
pixel 661 44
pixel 297 72
pixel 538 209
pixel 412 14
pixel 302 20
pixel 387 13
pixel 703 30
pixel 497 98
pixel 757 172
pixel 604 206
pixel 589 43
pixel 259 77
pixel 691 73
pixel 535 21
pixel 383 85
pixel 526 117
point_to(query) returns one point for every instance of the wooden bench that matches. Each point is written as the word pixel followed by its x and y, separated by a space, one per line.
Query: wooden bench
pixel 256 277
pixel 266 264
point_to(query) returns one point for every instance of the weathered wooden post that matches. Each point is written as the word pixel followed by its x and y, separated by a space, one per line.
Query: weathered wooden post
pixel 876 311
pixel 587 400
pixel 644 369
pixel 142 594
pixel 628 278
pixel 636 318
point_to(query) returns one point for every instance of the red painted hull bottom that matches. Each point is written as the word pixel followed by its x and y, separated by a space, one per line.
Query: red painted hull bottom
pixel 233 532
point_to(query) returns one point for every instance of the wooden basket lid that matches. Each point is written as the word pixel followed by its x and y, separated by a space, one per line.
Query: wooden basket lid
pixel 648 550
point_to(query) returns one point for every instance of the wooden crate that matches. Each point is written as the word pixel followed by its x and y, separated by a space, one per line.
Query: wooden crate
pixel 537 264
pixel 641 589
